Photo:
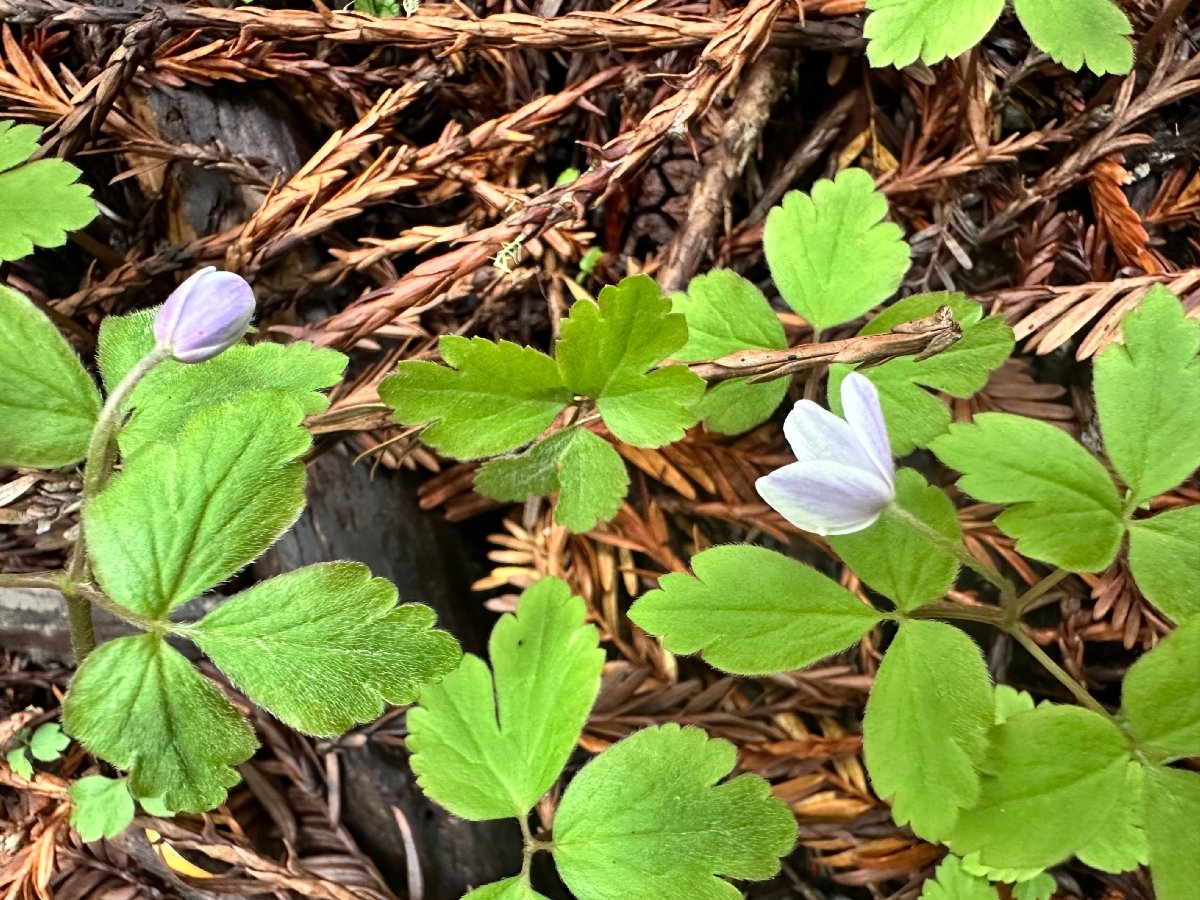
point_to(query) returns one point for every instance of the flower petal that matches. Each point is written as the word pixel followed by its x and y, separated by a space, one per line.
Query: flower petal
pixel 826 497
pixel 860 402
pixel 815 434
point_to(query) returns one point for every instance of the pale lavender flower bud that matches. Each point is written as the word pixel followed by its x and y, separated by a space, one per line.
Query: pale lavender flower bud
pixel 205 315
pixel 844 476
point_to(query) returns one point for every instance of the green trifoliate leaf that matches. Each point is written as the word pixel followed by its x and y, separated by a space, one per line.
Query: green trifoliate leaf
pixel 952 882
pixel 515 888
pixel 48 403
pixel 183 517
pixel 48 742
pixel 1161 696
pixel 583 469
pixel 1148 396
pixel 41 200
pixel 18 760
pixel 831 254
pixel 913 415
pixel 138 704
pixel 1051 779
pixel 1121 845
pixel 607 350
pixel 972 865
pixel 323 648
pixel 547 674
pixel 785 617
pixel 900 31
pixel 1010 701
pixel 646 819
pixel 1078 33
pixel 1164 561
pixel 726 313
pixel 101 807
pixel 1065 509
pixel 1171 811
pixel 489 398
pixel 173 392
pixel 926 725
pixel 896 559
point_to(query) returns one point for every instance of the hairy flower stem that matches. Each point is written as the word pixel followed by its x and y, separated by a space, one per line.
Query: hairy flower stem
pixel 101 456
pixel 955 548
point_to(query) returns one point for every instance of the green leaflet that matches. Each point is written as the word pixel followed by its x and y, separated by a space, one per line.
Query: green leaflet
pixel 1051 779
pixel 48 403
pixel 41 200
pixel 138 704
pixel 607 350
pixel 1065 509
pixel 1078 33
pixel 913 415
pixel 1160 696
pixel 1172 808
pixel 831 254
pixel 324 647
pixel 901 31
pixel 515 888
pixel 489 749
pixel 1148 396
pixel 895 559
pixel 646 819
pixel 100 807
pixel 489 398
pixel 173 392
pixel 926 726
pixel 182 517
pixel 1164 562
pixel 785 617
pixel 726 313
pixel 583 469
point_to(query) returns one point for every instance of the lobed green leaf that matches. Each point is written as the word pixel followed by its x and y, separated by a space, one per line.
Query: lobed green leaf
pixel 726 313
pixel 1171 811
pixel 831 254
pixel 323 648
pixel 1051 780
pixel 489 749
pixel 899 32
pixel 1164 561
pixel 1148 396
pixel 896 559
pixel 926 727
pixel 1078 33
pixel 100 807
pixel 914 416
pixel 1160 696
pixel 183 517
pixel 646 819
pixel 607 350
pixel 952 882
pixel 139 705
pixel 48 403
pixel 583 469
pixel 41 199
pixel 488 399
pixel 785 617
pixel 1065 509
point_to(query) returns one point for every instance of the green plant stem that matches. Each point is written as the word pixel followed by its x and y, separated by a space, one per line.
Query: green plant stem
pixel 957 550
pixel 101 457
pixel 1078 691
pixel 52 580
pixel 991 615
pixel 1022 604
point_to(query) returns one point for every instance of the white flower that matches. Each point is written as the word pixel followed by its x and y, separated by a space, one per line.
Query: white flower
pixel 844 476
